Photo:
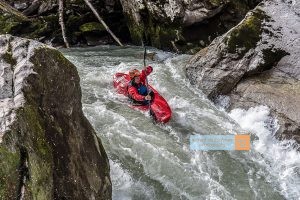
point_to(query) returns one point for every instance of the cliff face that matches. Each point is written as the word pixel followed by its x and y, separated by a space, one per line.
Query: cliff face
pixel 48 149
pixel 256 63
pixel 182 25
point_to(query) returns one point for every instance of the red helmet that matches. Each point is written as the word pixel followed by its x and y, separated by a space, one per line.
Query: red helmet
pixel 133 73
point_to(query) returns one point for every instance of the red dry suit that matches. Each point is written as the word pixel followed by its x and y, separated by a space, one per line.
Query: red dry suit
pixel 133 92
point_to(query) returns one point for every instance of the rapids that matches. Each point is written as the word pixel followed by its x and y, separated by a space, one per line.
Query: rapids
pixel 150 161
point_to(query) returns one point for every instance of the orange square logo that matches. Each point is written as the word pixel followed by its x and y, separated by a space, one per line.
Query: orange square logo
pixel 242 142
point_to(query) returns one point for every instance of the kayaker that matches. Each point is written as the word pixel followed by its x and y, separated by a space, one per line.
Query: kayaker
pixel 137 89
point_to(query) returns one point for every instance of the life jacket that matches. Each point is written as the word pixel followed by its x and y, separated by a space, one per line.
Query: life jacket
pixel 142 90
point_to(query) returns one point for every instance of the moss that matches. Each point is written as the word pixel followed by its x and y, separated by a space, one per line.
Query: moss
pixel 217 2
pixel 247 34
pixel 91 27
pixel 7 57
pixel 136 31
pixel 40 156
pixel 6 8
pixel 39 152
pixel 41 27
pixel 9 163
pixel 10 19
pixel 7 23
pixel 161 35
pixel 51 19
pixel 74 21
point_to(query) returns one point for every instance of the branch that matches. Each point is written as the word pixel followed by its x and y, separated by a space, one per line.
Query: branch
pixel 61 21
pixel 102 22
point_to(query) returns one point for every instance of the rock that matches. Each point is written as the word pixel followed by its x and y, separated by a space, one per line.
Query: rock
pixel 202 43
pixel 47 6
pixel 168 25
pixel 92 27
pixel 282 95
pixel 149 56
pixel 48 149
pixel 164 23
pixel 33 8
pixel 10 18
pixel 230 56
pixel 20 5
pixel 45 26
pixel 14 22
pixel 94 34
pixel 256 63
pixel 37 7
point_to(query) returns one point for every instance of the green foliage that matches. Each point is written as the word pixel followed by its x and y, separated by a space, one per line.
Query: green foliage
pixel 7 57
pixel 9 175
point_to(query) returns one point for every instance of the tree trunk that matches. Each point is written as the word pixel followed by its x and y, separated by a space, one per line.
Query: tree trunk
pixel 61 22
pixel 102 22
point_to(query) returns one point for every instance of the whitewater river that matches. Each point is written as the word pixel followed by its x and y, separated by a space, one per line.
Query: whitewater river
pixel 151 161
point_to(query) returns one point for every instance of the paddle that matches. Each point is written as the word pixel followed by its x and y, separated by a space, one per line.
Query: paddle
pixel 146 80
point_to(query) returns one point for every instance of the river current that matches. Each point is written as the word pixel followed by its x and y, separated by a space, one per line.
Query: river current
pixel 151 161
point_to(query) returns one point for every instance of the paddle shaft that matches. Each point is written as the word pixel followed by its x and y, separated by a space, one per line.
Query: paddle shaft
pixel 145 67
pixel 146 80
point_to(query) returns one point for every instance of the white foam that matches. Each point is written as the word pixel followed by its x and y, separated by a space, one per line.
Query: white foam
pixel 162 151
pixel 124 186
pixel 279 158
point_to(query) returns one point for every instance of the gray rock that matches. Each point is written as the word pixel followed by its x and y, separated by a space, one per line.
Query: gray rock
pixel 164 22
pixel 20 5
pixel 256 63
pixel 48 149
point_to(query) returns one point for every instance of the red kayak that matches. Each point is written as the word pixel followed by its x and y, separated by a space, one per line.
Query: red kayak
pixel 159 107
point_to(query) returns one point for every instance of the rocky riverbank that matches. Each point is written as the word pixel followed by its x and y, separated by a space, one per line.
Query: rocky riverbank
pixel 39 20
pixel 256 63
pixel 179 26
pixel 182 26
pixel 48 149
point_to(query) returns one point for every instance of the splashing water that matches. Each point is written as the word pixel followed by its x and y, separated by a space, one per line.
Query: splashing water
pixel 151 161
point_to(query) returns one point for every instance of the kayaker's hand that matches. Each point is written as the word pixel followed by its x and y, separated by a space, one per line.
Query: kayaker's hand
pixel 148 97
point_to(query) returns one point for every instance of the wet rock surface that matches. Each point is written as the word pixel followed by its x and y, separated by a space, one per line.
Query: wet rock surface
pixel 182 26
pixel 48 149
pixel 256 63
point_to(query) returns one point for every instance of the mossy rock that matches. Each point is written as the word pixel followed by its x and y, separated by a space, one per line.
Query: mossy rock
pixel 136 33
pixel 6 8
pixel 245 36
pixel 161 36
pixel 12 22
pixel 39 152
pixel 10 18
pixel 9 174
pixel 42 146
pixel 8 23
pixel 91 27
pixel 7 57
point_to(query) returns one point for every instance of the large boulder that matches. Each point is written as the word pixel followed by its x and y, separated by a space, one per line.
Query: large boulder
pixel 48 149
pixel 182 24
pixel 256 63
